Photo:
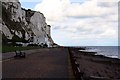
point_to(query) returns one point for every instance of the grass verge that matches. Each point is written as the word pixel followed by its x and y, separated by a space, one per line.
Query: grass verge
pixel 13 48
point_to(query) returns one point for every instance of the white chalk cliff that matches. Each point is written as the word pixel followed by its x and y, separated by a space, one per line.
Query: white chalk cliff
pixel 21 25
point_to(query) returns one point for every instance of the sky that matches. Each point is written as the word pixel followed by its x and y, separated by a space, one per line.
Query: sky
pixel 79 22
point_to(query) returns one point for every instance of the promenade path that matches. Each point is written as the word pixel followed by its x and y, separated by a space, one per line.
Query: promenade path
pixel 41 63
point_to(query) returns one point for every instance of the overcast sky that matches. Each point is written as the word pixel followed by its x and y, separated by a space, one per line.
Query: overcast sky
pixel 80 22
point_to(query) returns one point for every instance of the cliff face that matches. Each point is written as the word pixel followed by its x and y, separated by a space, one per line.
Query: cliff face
pixel 25 26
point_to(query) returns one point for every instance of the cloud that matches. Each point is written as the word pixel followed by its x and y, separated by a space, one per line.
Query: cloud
pixel 53 10
pixel 90 19
pixel 104 0
pixel 30 0
pixel 105 4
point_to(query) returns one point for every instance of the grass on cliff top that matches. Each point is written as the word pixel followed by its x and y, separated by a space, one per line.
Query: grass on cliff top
pixel 12 48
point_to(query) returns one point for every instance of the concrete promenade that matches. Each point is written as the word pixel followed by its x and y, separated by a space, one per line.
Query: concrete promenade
pixel 41 63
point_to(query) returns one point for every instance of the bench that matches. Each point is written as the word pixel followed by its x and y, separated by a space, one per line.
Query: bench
pixel 20 54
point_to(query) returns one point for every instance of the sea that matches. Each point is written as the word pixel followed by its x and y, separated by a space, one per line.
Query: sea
pixel 109 51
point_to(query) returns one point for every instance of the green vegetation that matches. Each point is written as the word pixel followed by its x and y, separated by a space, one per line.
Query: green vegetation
pixel 13 48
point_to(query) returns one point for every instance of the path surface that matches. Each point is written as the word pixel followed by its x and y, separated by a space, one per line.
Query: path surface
pixel 12 54
pixel 43 63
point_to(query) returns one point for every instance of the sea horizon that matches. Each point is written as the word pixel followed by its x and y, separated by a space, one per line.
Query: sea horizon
pixel 108 51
